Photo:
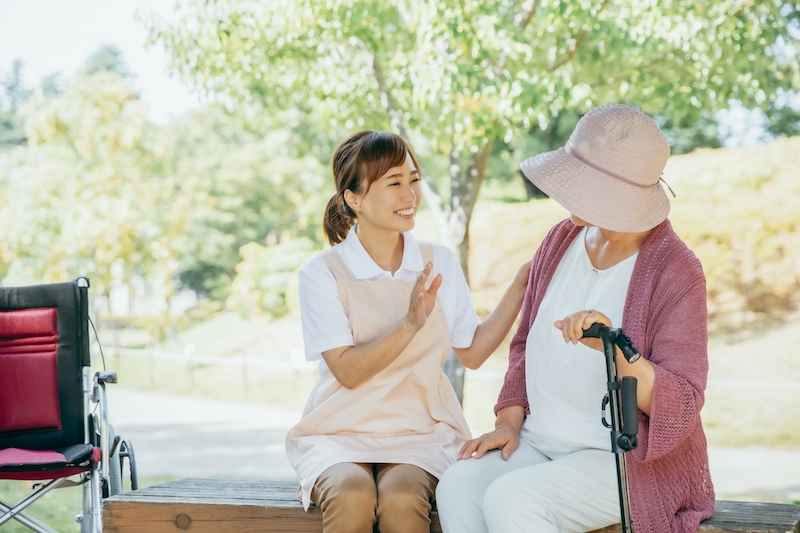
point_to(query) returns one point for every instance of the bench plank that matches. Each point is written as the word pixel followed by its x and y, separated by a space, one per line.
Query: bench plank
pixel 214 505
pixel 746 517
pixel 227 505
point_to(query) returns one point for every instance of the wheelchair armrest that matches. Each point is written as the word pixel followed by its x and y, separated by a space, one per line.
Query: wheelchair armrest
pixel 106 376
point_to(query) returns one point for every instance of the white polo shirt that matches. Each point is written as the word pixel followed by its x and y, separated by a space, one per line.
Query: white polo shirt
pixel 325 324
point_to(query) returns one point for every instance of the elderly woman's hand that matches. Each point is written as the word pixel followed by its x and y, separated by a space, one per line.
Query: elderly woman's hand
pixel 573 325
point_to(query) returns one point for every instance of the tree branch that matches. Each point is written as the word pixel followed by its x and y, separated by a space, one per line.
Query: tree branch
pixel 570 54
pixel 475 174
pixel 383 87
pixel 642 68
pixel 524 18
pixel 431 191
pixel 578 42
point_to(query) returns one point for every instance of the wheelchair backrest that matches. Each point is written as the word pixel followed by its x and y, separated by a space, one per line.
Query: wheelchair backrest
pixel 44 346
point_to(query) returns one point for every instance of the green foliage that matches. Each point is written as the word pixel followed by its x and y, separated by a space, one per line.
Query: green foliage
pixel 98 187
pixel 784 117
pixel 107 58
pixel 457 77
pixel 12 97
pixel 88 190
pixel 243 181
pixel 504 164
pixel 266 277
pixel 461 74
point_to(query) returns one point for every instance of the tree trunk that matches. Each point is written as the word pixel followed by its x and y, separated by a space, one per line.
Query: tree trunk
pixel 465 183
pixel 464 186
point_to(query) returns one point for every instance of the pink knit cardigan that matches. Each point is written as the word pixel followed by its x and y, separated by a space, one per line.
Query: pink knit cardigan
pixel 665 314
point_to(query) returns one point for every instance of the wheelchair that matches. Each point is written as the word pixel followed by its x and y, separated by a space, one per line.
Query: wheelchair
pixel 54 424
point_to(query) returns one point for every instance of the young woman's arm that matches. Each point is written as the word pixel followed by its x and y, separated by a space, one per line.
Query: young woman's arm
pixel 493 330
pixel 354 365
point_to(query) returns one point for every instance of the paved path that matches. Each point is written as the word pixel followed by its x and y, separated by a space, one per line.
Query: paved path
pixel 190 437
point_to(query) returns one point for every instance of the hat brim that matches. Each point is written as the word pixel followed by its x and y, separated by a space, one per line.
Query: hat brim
pixel 595 197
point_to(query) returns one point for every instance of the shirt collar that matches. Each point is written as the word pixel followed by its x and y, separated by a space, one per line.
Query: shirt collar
pixel 363 267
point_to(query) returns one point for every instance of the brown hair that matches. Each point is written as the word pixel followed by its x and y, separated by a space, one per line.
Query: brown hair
pixel 357 162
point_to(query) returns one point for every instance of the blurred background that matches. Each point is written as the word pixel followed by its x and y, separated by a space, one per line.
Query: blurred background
pixel 177 155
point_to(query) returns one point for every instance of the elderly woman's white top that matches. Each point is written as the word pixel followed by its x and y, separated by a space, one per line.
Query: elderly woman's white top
pixel 566 382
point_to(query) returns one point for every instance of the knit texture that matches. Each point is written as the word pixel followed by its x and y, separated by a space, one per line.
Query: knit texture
pixel 666 317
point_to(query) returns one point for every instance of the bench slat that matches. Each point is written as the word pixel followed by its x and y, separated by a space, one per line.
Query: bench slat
pixel 746 517
pixel 227 505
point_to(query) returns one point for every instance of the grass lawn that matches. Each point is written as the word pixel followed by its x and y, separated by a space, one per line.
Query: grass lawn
pixel 56 509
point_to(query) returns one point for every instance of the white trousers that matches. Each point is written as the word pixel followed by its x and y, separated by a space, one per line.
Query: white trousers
pixel 531 492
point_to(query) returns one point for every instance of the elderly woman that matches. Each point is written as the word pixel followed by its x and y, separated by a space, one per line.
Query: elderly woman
pixel 547 465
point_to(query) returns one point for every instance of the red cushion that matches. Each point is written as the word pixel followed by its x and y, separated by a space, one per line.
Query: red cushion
pixel 29 370
pixel 16 463
pixel 18 456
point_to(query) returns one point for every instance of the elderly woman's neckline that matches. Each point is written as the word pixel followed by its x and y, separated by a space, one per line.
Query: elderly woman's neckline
pixel 608 248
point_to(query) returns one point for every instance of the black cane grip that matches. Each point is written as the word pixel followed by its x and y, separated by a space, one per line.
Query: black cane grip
pixel 630 408
pixel 593 331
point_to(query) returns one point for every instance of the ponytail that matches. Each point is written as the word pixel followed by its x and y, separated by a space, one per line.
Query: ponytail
pixel 338 220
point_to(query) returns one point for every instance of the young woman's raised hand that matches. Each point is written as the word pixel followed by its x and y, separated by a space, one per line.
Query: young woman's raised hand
pixel 423 300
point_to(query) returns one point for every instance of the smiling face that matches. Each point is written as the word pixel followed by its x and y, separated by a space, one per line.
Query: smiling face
pixel 391 202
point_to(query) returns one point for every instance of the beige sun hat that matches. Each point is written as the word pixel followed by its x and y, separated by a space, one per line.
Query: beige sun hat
pixel 608 173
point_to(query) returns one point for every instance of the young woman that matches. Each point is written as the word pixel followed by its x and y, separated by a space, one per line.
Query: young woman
pixel 381 311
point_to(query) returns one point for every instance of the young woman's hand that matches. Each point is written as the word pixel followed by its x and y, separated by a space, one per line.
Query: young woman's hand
pixel 521 279
pixel 504 438
pixel 573 325
pixel 423 300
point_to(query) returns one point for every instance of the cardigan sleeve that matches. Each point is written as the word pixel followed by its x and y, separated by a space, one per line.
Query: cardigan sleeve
pixel 679 354
pixel 514 391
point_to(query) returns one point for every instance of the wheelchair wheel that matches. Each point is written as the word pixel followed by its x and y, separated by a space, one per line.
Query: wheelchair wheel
pixel 126 450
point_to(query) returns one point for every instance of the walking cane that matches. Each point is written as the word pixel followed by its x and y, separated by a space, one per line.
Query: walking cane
pixel 621 397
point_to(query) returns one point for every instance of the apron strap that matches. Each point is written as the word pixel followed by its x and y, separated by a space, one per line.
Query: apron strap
pixel 341 273
pixel 337 266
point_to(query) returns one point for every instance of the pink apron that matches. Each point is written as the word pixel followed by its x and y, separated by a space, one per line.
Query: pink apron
pixel 407 413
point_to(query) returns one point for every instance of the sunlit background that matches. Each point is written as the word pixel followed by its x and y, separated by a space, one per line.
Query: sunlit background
pixel 178 158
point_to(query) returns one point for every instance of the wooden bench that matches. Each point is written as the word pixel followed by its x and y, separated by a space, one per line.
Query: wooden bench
pixel 222 505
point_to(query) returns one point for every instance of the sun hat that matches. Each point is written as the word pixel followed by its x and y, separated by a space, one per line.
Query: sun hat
pixel 608 173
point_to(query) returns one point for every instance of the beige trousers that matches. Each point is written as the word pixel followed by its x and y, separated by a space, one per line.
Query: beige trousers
pixel 354 497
